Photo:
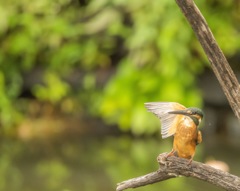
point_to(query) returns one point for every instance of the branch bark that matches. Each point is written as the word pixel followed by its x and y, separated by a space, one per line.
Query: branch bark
pixel 173 167
pixel 219 63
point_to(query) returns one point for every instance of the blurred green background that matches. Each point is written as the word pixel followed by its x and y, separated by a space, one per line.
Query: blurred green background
pixel 74 76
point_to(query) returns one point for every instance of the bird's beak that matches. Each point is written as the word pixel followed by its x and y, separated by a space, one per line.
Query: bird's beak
pixel 181 112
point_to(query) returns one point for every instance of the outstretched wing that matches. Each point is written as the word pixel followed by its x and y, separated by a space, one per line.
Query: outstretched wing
pixel 168 121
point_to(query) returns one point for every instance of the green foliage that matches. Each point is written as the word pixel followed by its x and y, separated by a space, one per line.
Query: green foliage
pixel 162 64
pixel 149 45
pixel 54 89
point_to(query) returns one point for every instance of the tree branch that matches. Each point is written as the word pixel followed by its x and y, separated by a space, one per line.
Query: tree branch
pixel 219 63
pixel 173 167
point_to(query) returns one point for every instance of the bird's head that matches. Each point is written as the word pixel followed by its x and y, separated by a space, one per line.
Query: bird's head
pixel 194 113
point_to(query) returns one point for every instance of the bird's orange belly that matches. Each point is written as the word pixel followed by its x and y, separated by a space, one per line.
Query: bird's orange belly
pixel 185 144
pixel 185 150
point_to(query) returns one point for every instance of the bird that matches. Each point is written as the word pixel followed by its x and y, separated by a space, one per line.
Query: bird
pixel 181 123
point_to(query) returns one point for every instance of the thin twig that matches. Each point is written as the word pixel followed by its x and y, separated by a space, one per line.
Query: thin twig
pixel 173 167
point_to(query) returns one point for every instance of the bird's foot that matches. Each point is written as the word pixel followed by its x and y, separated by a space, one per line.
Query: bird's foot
pixel 172 153
pixel 190 162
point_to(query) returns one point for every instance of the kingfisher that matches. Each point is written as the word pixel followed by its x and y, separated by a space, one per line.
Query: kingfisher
pixel 180 122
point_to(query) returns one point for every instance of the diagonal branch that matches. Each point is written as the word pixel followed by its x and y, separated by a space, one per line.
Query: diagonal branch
pixel 219 63
pixel 173 167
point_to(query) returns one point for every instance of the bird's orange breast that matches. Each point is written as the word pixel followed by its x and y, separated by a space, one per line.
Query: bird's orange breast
pixel 185 138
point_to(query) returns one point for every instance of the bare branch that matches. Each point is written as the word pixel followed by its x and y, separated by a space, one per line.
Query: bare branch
pixel 219 63
pixel 173 167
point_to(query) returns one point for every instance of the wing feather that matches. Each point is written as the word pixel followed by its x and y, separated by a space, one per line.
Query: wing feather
pixel 168 121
